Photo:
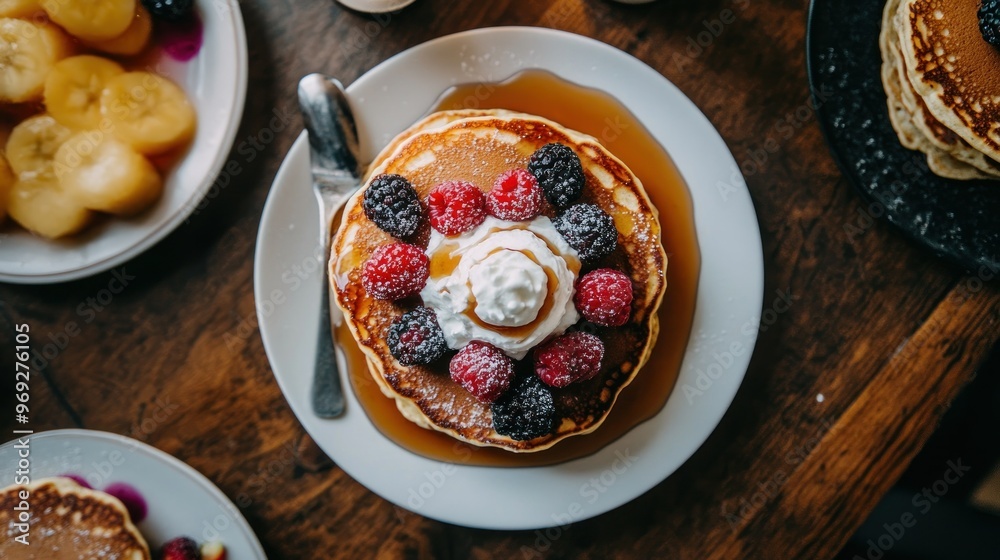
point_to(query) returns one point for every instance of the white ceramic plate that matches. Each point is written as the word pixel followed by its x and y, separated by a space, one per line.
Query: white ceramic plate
pixel 181 501
pixel 387 100
pixel 216 82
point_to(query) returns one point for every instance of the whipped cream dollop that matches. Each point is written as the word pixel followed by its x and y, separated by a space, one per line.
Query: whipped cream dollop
pixel 509 288
pixel 511 285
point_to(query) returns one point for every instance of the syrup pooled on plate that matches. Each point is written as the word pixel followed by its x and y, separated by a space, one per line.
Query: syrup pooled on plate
pixel 603 117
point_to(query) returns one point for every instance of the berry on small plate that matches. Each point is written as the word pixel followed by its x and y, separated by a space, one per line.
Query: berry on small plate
pixel 192 107
pixel 181 548
pixel 179 512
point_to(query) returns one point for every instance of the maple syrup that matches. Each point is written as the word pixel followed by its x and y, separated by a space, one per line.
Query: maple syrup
pixel 603 117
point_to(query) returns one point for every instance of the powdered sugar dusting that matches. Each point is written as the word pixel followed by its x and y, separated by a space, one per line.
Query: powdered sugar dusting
pixel 395 271
pixel 483 369
pixel 455 207
pixel 570 358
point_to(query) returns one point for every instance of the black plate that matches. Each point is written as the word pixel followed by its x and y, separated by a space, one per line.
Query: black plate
pixel 957 220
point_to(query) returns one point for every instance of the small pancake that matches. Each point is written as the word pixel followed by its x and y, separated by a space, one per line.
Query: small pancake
pixel 477 146
pixel 953 69
pixel 947 154
pixel 69 522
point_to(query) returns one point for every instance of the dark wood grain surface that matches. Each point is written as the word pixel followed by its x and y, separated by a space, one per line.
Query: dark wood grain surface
pixel 886 334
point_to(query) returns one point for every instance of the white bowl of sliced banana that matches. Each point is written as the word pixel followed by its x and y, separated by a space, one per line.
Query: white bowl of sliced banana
pixel 116 118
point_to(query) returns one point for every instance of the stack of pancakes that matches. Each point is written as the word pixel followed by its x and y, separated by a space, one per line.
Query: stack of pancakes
pixel 942 81
pixel 68 521
pixel 477 146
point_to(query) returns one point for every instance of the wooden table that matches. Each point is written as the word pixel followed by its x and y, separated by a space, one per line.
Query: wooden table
pixel 843 389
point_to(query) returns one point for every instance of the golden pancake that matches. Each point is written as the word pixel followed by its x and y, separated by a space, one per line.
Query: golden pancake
pixel 477 146
pixel 953 69
pixel 69 522
pixel 947 154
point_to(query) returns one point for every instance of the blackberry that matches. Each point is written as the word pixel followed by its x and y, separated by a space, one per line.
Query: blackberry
pixel 526 411
pixel 416 338
pixel 391 202
pixel 989 21
pixel 170 10
pixel 589 230
pixel 559 173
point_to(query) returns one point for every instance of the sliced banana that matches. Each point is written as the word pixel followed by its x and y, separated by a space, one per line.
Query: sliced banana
pixel 19 8
pixel 33 143
pixel 73 90
pixel 6 181
pixel 148 112
pixel 102 173
pixel 91 20
pixel 135 38
pixel 40 206
pixel 28 51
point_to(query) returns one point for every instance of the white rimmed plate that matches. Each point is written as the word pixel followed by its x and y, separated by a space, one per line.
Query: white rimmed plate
pixel 216 82
pixel 392 96
pixel 181 501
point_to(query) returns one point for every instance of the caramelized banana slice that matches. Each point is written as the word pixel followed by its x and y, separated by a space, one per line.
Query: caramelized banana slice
pixel 19 8
pixel 28 51
pixel 40 206
pixel 148 112
pixel 73 90
pixel 102 173
pixel 33 143
pixel 135 38
pixel 91 20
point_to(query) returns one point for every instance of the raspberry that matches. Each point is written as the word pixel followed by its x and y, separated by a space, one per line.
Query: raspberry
pixel 515 196
pixel 181 548
pixel 483 369
pixel 392 203
pixel 604 296
pixel 526 411
pixel 170 10
pixel 989 21
pixel 570 358
pixel 416 338
pixel 589 230
pixel 559 173
pixel 455 207
pixel 395 271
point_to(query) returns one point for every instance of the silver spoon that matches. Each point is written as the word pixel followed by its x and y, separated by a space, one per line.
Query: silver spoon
pixel 336 174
